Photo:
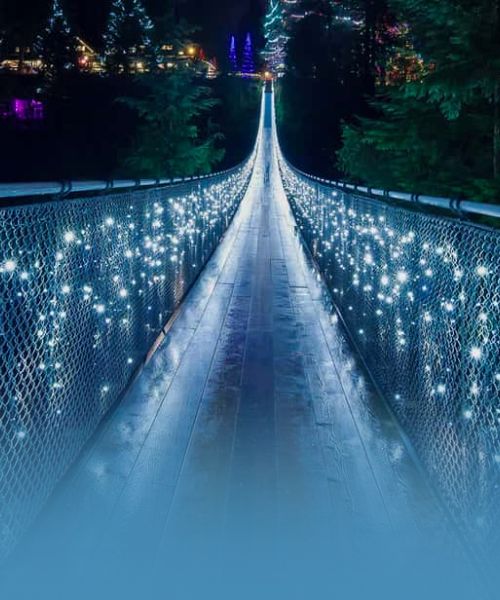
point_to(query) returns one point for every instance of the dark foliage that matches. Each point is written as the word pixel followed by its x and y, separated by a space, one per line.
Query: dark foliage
pixel 441 133
pixel 326 83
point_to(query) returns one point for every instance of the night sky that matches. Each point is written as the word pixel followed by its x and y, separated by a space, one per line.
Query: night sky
pixel 216 18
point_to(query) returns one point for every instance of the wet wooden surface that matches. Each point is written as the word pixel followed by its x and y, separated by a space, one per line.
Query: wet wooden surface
pixel 253 416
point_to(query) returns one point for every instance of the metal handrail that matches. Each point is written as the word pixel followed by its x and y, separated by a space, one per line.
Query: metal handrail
pixel 50 189
pixel 462 207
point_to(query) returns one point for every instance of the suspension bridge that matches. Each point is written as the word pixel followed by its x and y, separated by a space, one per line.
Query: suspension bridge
pixel 253 384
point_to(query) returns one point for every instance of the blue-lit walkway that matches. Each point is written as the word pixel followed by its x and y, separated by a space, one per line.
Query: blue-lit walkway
pixel 251 458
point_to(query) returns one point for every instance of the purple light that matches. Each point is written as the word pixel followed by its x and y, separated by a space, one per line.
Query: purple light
pixel 24 110
pixel 232 54
pixel 248 62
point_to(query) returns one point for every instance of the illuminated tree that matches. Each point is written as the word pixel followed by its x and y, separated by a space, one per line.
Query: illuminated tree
pixel 248 61
pixel 128 43
pixel 233 60
pixel 276 36
pixel 56 44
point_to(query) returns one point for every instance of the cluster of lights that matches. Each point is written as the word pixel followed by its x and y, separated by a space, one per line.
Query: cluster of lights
pixel 409 300
pixel 85 293
pixel 91 299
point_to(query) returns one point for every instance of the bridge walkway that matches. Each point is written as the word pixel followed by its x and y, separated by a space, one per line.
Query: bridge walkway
pixel 253 429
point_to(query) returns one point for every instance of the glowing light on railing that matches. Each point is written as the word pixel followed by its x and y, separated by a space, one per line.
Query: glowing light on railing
pixel 9 266
pixel 69 237
pixel 476 353
pixel 402 276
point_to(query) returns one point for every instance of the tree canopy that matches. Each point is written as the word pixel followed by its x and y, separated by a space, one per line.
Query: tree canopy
pixel 176 137
pixel 440 132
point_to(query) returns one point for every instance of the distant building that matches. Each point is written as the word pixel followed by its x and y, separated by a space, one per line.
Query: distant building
pixel 26 61
pixel 87 58
pixel 22 60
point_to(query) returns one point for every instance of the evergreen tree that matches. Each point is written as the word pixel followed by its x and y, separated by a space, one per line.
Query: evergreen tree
pixel 128 39
pixel 233 60
pixel 176 137
pixel 56 44
pixel 248 66
pixel 458 93
pixel 462 41
pixel 275 35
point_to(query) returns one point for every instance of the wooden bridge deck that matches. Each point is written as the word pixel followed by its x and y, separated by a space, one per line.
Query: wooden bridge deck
pixel 251 446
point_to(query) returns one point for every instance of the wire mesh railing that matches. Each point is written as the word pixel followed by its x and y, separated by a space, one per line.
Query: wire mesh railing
pixel 86 286
pixel 420 297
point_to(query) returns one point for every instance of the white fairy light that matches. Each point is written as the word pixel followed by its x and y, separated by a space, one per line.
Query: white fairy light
pixel 69 237
pixel 9 265
pixel 476 353
pixel 402 276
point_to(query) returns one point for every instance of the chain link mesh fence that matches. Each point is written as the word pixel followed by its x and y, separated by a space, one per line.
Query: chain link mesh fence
pixel 86 286
pixel 420 296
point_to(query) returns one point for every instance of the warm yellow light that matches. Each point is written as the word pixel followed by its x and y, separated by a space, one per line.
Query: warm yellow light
pixel 191 50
